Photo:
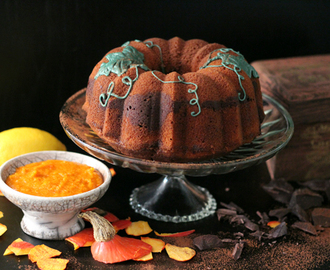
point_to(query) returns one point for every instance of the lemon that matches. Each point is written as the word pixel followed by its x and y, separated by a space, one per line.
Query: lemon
pixel 23 140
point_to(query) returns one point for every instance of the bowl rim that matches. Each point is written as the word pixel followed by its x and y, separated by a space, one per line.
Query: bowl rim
pixel 53 154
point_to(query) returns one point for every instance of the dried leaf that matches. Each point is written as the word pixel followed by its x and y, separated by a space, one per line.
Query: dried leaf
pixel 176 234
pixel 18 247
pixel 1 214
pixel 305 226
pixel 84 238
pixel 52 264
pixel 138 228
pixel 181 254
pixel 157 244
pixel 42 252
pixel 273 223
pixel 121 224
pixel 3 229
pixel 208 241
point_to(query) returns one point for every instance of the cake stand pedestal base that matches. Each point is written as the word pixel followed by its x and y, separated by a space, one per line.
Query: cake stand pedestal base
pixel 156 200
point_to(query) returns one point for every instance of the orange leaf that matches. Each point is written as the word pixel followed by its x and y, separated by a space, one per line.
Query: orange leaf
pixel 18 247
pixel 1 214
pixel 180 254
pixel 110 217
pixel 121 224
pixel 273 223
pixel 112 171
pixel 42 252
pixel 119 249
pixel 52 264
pixel 145 258
pixel 84 238
pixel 138 228
pixel 157 244
pixel 1 194
pixel 3 229
pixel 177 234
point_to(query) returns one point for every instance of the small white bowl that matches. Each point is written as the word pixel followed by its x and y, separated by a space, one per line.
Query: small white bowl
pixel 52 218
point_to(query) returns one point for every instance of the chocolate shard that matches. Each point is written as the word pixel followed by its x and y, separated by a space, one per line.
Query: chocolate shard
pixel 264 218
pixel 305 198
pixel 208 241
pixel 280 213
pixel 280 190
pixel 300 213
pixel 238 209
pixel 316 185
pixel 321 217
pixel 243 220
pixel 305 226
pixel 279 231
pixel 258 234
pixel 237 252
pixel 223 212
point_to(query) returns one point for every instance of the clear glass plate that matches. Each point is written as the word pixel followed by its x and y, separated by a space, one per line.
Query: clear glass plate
pixel 195 202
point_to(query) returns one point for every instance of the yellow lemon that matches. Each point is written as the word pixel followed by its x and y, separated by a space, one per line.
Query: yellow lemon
pixel 22 140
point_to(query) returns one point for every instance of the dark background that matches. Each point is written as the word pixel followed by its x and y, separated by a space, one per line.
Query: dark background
pixel 48 48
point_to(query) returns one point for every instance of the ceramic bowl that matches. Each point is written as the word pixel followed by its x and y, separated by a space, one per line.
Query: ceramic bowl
pixel 52 218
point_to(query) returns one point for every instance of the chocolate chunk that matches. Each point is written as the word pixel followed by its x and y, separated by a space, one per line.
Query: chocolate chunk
pixel 321 217
pixel 300 213
pixel 258 234
pixel 223 212
pixel 238 250
pixel 279 213
pixel 316 185
pixel 280 190
pixel 264 218
pixel 279 231
pixel 305 198
pixel 305 226
pixel 208 241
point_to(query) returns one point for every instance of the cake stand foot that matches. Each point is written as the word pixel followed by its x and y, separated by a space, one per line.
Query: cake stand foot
pixel 173 199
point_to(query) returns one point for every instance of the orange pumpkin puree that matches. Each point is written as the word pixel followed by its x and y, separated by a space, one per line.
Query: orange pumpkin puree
pixel 54 178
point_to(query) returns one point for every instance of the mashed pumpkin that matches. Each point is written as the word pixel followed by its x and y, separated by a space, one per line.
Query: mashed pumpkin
pixel 54 178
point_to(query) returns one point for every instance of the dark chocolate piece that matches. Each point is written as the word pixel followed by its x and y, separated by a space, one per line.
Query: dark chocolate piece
pixel 208 241
pixel 279 231
pixel 237 252
pixel 321 217
pixel 305 226
pixel 305 198
pixel 280 190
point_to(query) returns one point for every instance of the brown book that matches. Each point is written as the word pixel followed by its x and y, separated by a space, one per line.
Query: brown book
pixel 302 86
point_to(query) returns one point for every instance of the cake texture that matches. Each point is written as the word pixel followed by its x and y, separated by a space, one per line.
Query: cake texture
pixel 174 100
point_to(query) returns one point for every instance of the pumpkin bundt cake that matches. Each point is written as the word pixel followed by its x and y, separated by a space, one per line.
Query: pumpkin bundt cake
pixel 174 100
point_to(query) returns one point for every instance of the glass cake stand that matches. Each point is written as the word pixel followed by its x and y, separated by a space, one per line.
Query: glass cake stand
pixel 193 202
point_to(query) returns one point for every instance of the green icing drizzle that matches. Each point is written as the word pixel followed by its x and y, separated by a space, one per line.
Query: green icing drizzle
pixel 193 101
pixel 238 64
pixel 120 62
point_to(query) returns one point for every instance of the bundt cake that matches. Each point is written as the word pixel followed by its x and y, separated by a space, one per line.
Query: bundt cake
pixel 174 100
